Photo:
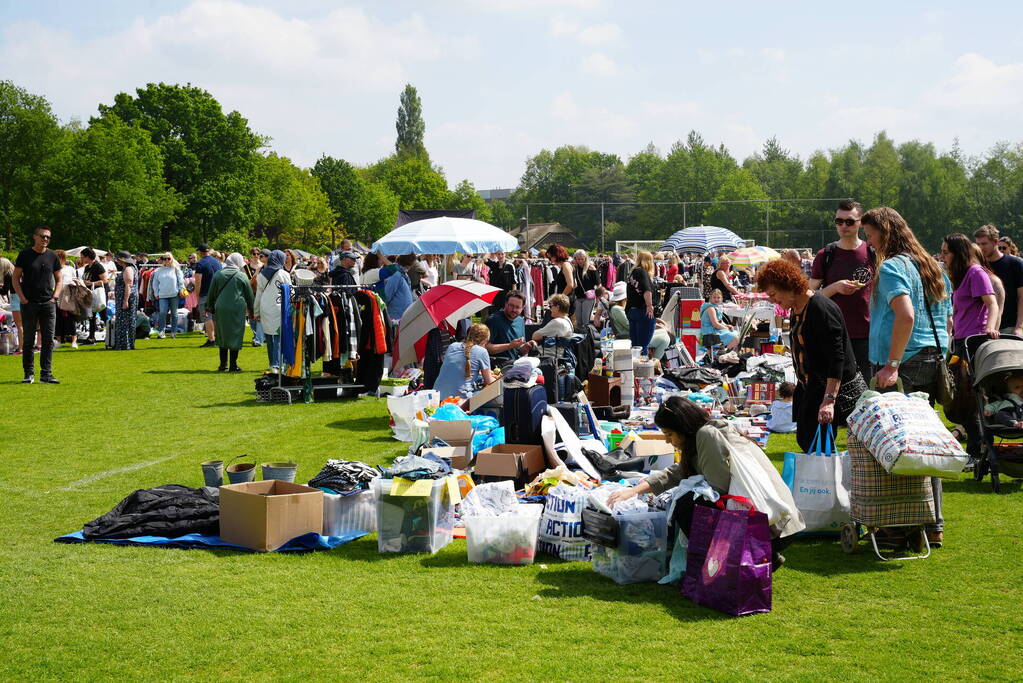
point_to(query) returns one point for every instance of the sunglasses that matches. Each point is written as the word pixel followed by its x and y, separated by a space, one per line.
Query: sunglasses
pixel 1002 247
pixel 847 222
pixel 43 237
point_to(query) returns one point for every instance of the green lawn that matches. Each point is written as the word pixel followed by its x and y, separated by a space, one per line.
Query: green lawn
pixel 122 421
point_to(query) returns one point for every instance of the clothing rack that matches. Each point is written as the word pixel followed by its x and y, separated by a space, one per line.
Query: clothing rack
pixel 306 292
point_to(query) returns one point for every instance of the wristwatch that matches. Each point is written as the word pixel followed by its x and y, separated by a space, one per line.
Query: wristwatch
pixel 830 397
pixel 893 364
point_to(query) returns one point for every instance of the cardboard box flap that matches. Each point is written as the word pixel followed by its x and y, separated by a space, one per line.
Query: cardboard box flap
pixel 511 460
pixel 452 432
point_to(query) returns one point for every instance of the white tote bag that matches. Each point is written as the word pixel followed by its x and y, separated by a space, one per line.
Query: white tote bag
pixel 820 481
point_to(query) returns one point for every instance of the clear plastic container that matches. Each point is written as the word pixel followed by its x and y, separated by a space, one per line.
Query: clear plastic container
pixel 641 555
pixel 352 514
pixel 413 524
pixel 508 539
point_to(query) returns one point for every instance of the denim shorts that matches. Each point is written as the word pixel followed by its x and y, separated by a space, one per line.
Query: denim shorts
pixel 203 315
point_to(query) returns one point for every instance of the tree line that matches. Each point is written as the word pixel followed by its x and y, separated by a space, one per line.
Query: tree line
pixel 167 167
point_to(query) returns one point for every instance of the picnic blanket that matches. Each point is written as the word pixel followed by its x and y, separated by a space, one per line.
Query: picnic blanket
pixel 305 542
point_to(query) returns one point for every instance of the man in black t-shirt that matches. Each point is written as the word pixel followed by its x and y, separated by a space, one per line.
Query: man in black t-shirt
pixel 37 283
pixel 502 276
pixel 1009 269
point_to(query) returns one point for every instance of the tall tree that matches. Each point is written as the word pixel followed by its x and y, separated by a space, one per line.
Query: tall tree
pixel 465 196
pixel 29 133
pixel 209 156
pixel 733 211
pixel 364 209
pixel 410 124
pixel 105 187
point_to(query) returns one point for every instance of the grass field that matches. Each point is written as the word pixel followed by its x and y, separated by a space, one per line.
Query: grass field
pixel 122 421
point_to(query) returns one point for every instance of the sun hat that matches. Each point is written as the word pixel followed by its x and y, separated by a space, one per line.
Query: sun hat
pixel 304 276
pixel 620 292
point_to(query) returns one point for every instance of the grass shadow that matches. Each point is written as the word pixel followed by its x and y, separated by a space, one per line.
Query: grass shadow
pixel 825 557
pixel 584 582
pixel 363 424
pixel 973 487
pixel 194 371
pixel 236 404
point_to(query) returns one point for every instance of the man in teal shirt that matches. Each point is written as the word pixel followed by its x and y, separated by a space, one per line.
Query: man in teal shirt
pixel 508 330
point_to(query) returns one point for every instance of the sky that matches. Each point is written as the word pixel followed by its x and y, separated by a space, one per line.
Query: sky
pixel 499 81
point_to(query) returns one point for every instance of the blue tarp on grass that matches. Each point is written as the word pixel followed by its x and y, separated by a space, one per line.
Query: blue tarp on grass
pixel 306 542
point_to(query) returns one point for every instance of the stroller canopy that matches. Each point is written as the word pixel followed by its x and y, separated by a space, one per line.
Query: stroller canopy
pixel 997 357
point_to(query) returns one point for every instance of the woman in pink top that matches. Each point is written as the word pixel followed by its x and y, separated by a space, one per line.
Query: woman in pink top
pixel 974 308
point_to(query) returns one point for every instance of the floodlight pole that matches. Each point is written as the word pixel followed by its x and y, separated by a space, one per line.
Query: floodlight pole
pixel 602 227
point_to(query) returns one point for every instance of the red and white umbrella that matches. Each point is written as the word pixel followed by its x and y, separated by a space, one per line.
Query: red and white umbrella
pixel 443 305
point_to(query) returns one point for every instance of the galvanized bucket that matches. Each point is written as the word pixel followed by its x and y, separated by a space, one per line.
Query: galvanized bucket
pixel 213 472
pixel 282 471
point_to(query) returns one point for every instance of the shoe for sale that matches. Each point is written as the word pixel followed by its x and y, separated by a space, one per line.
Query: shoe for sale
pixel 49 379
pixel 29 379
pixel 162 335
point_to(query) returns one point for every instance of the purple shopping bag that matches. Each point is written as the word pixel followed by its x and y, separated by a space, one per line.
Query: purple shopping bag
pixel 728 567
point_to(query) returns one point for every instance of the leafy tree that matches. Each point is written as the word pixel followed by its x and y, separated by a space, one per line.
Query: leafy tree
pixel 412 179
pixel 289 205
pixel 740 217
pixel 29 133
pixel 880 175
pixel 105 187
pixel 364 209
pixel 504 216
pixel 465 196
pixel 209 156
pixel 410 124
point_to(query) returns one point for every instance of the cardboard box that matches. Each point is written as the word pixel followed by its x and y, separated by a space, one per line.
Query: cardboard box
pixel 452 432
pixel 458 456
pixel 264 515
pixel 484 396
pixel 658 452
pixel 521 462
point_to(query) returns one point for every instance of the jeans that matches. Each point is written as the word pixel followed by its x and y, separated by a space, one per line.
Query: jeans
pixel 641 327
pixel 920 373
pixel 273 349
pixel 257 332
pixel 974 444
pixel 43 317
pixel 168 305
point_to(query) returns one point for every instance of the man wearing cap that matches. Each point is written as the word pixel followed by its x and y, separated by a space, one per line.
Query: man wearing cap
pixel 37 284
pixel 508 330
pixel 344 271
pixel 205 269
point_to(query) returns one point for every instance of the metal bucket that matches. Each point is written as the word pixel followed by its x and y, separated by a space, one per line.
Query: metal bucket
pixel 213 473
pixel 241 472
pixel 282 471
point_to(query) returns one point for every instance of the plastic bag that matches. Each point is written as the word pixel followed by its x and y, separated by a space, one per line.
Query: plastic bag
pixel 404 410
pixel 561 527
pixel 494 499
pixel 449 411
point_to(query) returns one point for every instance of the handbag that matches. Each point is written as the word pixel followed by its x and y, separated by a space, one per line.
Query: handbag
pixel 728 567
pixel 945 390
pixel 99 298
pixel 848 394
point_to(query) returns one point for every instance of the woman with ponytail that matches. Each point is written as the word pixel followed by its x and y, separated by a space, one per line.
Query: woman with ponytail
pixel 466 365
pixel 707 448
pixel 909 318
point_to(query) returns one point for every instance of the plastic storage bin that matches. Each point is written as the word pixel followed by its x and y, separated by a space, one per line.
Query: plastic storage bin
pixel 355 513
pixel 641 554
pixel 413 524
pixel 508 539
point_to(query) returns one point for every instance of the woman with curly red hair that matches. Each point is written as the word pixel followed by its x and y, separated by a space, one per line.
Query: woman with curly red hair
pixel 828 381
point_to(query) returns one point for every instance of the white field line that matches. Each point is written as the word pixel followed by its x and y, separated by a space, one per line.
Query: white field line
pixel 120 470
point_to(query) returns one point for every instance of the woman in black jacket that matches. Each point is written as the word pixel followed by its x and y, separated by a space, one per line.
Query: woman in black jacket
pixel 828 380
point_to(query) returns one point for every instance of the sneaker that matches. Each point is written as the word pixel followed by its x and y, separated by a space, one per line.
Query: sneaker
pixel 207 344
pixel 970 464
pixel 49 379
pixel 222 368
pixel 29 379
pixel 162 335
pixel 257 344
pixel 88 342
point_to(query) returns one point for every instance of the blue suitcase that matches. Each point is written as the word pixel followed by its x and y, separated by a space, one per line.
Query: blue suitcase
pixel 524 408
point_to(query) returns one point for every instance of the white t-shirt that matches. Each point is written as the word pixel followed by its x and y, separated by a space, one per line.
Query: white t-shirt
pixel 557 327
pixel 431 274
pixel 781 417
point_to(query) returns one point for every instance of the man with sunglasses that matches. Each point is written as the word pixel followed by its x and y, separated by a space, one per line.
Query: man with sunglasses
pixel 37 284
pixel 844 271
pixel 1009 269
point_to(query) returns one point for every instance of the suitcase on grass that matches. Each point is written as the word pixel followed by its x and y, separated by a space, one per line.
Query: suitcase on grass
pixel 524 408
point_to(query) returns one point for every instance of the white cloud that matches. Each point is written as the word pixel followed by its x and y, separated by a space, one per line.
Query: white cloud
pixel 978 84
pixel 564 107
pixel 774 54
pixel 599 64
pixel 604 33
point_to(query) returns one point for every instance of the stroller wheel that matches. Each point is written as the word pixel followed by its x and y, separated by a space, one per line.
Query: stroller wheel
pixel 850 537
pixel 980 468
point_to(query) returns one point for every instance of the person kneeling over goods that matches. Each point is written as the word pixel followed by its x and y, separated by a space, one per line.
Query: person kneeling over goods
pixel 711 448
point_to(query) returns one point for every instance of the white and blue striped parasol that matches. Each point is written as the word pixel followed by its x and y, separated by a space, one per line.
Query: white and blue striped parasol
pixel 701 239
pixel 445 235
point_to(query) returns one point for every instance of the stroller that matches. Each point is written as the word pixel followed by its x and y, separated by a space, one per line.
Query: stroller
pixel 990 361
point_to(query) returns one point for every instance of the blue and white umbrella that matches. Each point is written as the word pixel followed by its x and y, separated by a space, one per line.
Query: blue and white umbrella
pixel 445 235
pixel 702 239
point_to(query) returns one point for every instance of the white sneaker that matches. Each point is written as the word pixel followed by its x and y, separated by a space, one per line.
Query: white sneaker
pixel 162 335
